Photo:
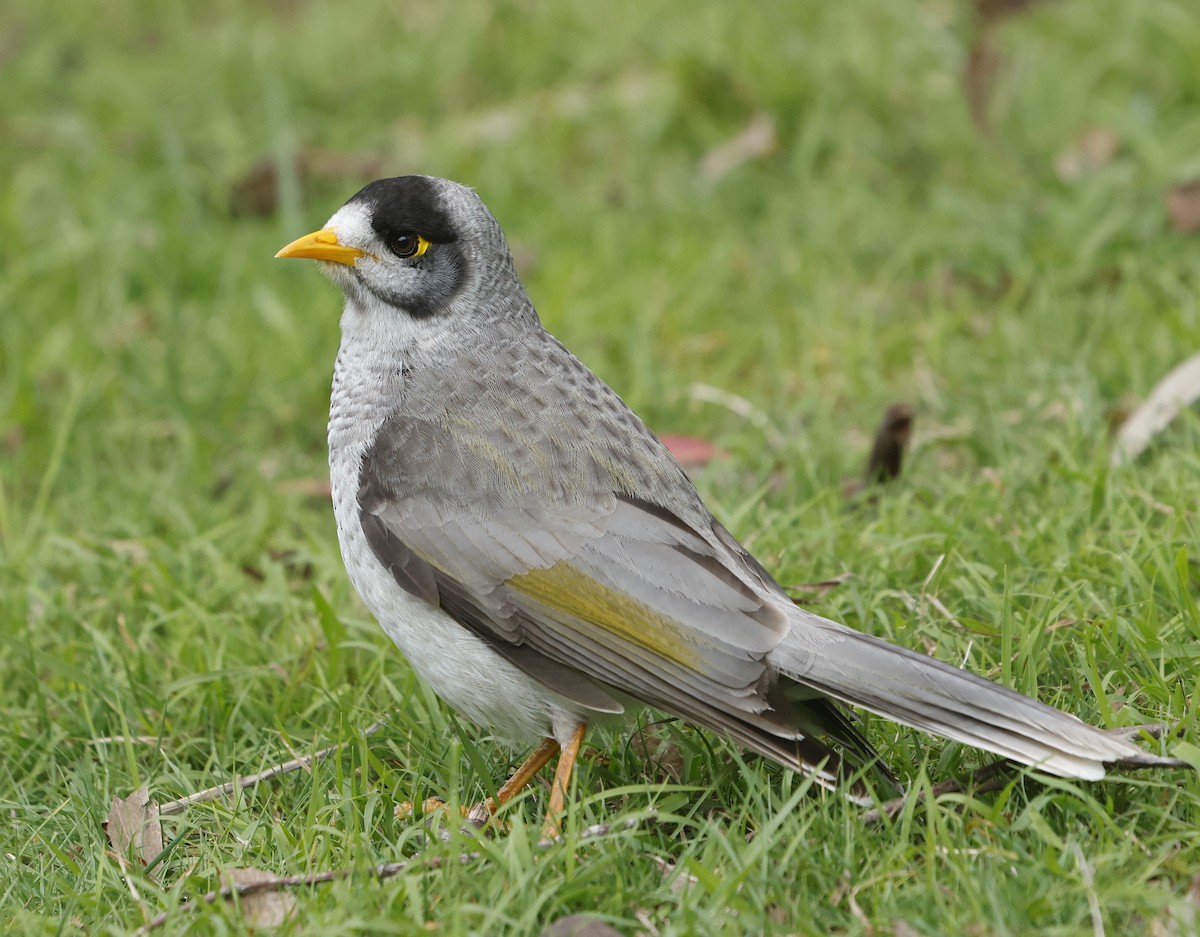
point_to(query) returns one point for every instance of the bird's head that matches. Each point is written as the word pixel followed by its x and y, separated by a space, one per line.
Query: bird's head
pixel 417 245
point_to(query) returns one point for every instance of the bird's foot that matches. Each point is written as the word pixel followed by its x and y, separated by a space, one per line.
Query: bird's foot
pixel 478 817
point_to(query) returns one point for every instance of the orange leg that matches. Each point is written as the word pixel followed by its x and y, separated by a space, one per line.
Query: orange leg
pixel 562 781
pixel 481 814
pixel 523 775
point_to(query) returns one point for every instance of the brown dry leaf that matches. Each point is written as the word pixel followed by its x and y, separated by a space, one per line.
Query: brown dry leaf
pixel 133 823
pixel 689 450
pixel 757 139
pixel 263 908
pixel 1093 149
pixel 1183 206
pixel 1179 389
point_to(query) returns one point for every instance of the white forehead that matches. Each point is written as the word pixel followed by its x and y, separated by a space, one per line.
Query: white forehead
pixel 352 222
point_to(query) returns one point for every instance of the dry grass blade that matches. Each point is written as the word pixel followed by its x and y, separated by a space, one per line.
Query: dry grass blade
pixel 1179 389
pixel 757 139
pixel 740 406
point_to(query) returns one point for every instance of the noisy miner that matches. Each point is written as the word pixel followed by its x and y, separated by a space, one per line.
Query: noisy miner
pixel 543 561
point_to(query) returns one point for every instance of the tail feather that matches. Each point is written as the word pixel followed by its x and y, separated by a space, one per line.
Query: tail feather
pixel 927 694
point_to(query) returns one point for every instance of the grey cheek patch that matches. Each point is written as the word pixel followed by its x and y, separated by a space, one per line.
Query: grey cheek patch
pixel 440 276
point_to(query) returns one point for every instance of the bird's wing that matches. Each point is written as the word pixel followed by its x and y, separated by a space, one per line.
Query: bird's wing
pixel 599 582
pixel 609 583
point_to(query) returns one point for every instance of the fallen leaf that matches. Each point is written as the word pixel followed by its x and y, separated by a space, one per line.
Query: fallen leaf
pixel 265 907
pixel 1183 206
pixel 1180 388
pixel 133 825
pixel 1093 149
pixel 690 451
pixel 757 139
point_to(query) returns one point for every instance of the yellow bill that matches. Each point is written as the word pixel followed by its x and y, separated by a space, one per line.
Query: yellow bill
pixel 322 245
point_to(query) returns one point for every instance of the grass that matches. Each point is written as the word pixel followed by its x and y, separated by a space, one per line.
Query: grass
pixel 173 610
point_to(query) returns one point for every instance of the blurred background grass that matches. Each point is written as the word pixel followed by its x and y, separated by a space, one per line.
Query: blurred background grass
pixel 963 212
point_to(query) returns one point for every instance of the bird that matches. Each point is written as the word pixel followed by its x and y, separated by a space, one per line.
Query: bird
pixel 545 564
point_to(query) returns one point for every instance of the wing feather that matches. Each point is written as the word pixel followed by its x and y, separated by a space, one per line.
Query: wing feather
pixel 579 578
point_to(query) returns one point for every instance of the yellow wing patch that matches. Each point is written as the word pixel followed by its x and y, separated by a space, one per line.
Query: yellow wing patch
pixel 565 588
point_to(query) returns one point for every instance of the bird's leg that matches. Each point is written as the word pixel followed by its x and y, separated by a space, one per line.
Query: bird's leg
pixel 562 780
pixel 523 775
pixel 480 814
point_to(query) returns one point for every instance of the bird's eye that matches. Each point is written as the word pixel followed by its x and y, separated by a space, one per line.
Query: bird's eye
pixel 406 246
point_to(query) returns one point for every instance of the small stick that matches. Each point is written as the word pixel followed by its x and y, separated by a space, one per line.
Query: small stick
pixel 178 806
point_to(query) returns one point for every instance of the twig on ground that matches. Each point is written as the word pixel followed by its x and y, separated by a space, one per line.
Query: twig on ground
pixel 178 806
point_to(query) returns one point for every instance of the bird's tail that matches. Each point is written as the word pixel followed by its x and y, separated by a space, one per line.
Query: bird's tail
pixel 919 691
